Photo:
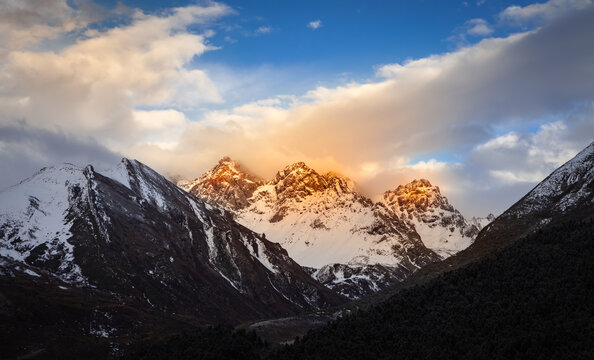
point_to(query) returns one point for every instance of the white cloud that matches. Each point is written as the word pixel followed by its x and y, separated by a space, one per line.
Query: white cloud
pixel 528 158
pixel 507 141
pixel 314 25
pixel 478 27
pixel 94 85
pixel 542 11
pixel 262 30
pixel 25 23
pixel 372 131
pixel 160 127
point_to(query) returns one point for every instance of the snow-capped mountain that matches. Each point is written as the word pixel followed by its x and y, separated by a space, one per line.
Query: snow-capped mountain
pixel 442 228
pixel 326 225
pixel 480 222
pixel 137 238
pixel 566 194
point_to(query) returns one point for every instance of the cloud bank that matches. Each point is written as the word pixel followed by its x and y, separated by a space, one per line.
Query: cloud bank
pixel 485 122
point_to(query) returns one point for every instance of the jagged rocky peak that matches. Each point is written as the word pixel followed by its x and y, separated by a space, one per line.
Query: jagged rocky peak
pixel 300 179
pixel 230 171
pixel 417 196
pixel 228 185
pixel 442 228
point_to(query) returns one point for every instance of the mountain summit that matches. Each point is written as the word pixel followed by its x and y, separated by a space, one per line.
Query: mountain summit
pixel 441 227
pixel 228 185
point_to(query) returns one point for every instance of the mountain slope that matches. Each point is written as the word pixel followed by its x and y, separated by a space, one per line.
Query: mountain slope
pixel 566 194
pixel 523 289
pixel 354 245
pixel 134 237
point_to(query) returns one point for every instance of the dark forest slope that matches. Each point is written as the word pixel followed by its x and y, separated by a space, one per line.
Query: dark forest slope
pixel 532 300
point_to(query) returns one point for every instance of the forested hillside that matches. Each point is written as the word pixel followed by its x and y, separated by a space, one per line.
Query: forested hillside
pixel 533 300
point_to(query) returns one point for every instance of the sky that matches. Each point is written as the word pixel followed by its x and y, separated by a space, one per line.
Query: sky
pixel 484 98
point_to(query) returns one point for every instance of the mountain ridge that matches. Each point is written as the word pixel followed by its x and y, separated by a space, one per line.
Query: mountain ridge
pixel 308 212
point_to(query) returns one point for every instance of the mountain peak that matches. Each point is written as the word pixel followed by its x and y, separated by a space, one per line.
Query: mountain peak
pixel 227 161
pixel 300 180
pixel 298 167
pixel 227 184
pixel 442 227
pixel 418 194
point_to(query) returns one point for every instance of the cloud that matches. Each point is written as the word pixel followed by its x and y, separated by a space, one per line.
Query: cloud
pixel 452 103
pixel 462 119
pixel 262 30
pixel 314 25
pixel 94 85
pixel 26 23
pixel 542 11
pixel 24 149
pixel 478 27
pixel 160 127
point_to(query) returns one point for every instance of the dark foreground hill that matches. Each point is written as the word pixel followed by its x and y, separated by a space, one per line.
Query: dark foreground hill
pixel 532 300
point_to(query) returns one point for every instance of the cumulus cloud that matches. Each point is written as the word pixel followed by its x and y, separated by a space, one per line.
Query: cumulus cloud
pixel 26 23
pixel 542 11
pixel 94 85
pixel 455 102
pixel 314 25
pixel 471 120
pixel 478 27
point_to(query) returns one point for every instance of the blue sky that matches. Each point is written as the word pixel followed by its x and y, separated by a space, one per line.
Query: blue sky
pixel 484 98
pixel 354 38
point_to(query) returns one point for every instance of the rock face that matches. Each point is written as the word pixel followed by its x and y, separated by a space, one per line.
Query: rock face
pixel 133 237
pixel 325 224
pixel 442 228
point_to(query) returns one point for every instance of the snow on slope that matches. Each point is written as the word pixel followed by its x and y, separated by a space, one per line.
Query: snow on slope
pixel 318 219
pixel 563 189
pixel 481 222
pixel 323 222
pixel 33 218
pixel 34 213
pixel 129 236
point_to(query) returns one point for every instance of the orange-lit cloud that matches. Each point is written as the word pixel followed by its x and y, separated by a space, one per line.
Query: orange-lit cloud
pixel 129 88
